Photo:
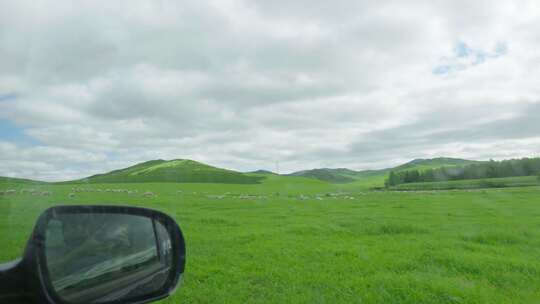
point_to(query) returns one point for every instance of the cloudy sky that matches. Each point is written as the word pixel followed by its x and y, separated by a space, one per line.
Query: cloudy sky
pixel 87 87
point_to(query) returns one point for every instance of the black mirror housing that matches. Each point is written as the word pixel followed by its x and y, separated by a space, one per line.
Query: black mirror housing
pixel 31 278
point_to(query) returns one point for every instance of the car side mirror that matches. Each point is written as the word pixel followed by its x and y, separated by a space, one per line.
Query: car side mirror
pixel 97 254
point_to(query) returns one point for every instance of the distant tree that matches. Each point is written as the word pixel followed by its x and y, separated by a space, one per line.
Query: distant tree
pixel 414 176
pixel 407 177
pixel 393 179
pixel 427 175
pixel 490 169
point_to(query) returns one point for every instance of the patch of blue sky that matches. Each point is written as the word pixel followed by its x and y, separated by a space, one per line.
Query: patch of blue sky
pixel 9 131
pixel 501 48
pixel 7 96
pixel 462 50
pixel 480 57
pixel 464 57
pixel 442 69
pixel 13 133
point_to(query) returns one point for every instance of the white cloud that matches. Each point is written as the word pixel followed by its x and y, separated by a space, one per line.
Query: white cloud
pixel 243 84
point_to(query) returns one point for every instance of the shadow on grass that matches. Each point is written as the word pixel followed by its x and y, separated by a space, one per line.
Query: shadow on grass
pixel 494 238
pixel 393 229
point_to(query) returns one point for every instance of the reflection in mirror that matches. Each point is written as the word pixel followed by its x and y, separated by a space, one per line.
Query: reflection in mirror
pixel 99 258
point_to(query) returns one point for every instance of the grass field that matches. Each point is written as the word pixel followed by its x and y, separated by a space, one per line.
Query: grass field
pixel 298 240
pixel 517 181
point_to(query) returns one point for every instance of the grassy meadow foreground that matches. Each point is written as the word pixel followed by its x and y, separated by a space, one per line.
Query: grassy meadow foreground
pixel 299 240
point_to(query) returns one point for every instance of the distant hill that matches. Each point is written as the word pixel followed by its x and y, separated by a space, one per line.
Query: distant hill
pixel 481 170
pixel 327 175
pixel 189 171
pixel 343 175
pixel 13 180
pixel 262 172
pixel 178 171
pixel 430 163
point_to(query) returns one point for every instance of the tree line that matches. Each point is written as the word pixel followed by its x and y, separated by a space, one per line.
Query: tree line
pixel 488 169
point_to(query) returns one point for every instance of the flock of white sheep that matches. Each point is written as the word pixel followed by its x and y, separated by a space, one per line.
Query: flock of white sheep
pixel 301 197
pixel 75 190
pixel 149 194
pixel 25 192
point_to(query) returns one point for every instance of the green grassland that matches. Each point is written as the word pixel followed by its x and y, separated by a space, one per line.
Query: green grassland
pixel 302 240
pixel 516 181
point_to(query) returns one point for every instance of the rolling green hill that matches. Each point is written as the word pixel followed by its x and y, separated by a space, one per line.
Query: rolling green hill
pixel 189 171
pixel 375 178
pixel 431 163
pixel 178 171
pixel 12 180
pixel 262 172
pixel 328 175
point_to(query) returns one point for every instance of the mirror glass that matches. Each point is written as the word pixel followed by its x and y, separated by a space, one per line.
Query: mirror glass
pixel 100 258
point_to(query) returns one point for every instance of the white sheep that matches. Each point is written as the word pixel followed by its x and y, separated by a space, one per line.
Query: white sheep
pixel 149 194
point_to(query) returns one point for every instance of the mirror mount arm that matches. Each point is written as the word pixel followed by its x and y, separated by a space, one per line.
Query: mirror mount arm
pixel 13 282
